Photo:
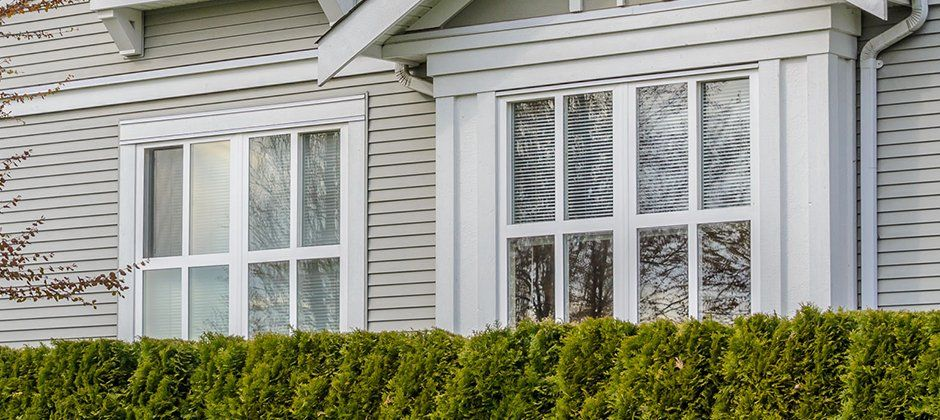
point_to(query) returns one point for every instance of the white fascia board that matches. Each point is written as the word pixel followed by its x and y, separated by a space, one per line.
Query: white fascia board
pixel 184 81
pixel 878 8
pixel 368 24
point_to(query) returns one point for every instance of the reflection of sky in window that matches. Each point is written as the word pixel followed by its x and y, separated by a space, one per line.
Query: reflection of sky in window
pixel 268 298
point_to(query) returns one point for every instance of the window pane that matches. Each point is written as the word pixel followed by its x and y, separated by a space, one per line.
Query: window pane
pixel 589 149
pixel 320 189
pixel 664 273
pixel 209 198
pixel 162 303
pixel 531 278
pixel 533 161
pixel 725 270
pixel 590 276
pixel 726 144
pixel 269 192
pixel 268 298
pixel 208 300
pixel 318 294
pixel 662 148
pixel 164 203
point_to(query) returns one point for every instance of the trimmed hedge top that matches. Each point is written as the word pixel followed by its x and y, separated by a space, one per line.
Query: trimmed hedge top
pixel 816 365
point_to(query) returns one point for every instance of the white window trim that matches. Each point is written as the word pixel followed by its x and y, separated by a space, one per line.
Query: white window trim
pixel 625 221
pixel 346 114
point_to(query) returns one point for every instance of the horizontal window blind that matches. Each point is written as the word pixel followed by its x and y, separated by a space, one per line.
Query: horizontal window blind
pixel 320 189
pixel 533 161
pixel 662 148
pixel 726 144
pixel 589 160
pixel 318 294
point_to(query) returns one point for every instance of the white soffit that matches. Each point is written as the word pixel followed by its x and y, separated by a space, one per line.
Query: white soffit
pixel 877 7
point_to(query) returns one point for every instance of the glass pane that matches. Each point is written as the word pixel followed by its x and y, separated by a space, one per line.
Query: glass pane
pixel 662 148
pixel 208 300
pixel 320 189
pixel 590 276
pixel 269 297
pixel 664 273
pixel 164 203
pixel 162 303
pixel 318 294
pixel 589 156
pixel 269 192
pixel 533 161
pixel 726 144
pixel 209 198
pixel 531 278
pixel 725 270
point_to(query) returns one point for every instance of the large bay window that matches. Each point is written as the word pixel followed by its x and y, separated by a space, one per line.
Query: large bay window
pixel 247 232
pixel 662 169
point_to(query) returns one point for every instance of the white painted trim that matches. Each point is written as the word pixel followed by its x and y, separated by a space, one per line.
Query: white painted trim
pixel 262 118
pixel 335 9
pixel 769 222
pixel 446 232
pixel 440 14
pixel 351 250
pixel 197 79
pixel 575 6
pixel 126 27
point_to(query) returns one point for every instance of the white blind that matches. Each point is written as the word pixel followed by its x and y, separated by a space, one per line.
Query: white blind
pixel 269 192
pixel 320 189
pixel 318 294
pixel 162 303
pixel 209 198
pixel 663 148
pixel 208 300
pixel 533 161
pixel 589 149
pixel 726 144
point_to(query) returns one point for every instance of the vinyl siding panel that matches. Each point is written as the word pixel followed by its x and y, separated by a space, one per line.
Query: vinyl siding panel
pixel 72 178
pixel 909 167
pixel 193 34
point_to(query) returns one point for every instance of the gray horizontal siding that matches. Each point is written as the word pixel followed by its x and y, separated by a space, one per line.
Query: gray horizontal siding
pixel 909 168
pixel 489 11
pixel 193 34
pixel 401 212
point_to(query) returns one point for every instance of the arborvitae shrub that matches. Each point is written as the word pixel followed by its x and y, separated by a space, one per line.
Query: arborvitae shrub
pixel 213 391
pixel 318 358
pixel 668 371
pixel 816 365
pixel 421 376
pixel 160 384
pixel 879 378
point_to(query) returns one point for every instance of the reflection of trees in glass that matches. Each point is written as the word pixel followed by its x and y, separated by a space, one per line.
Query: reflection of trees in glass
pixel 208 300
pixel 269 297
pixel 663 148
pixel 589 156
pixel 664 274
pixel 590 276
pixel 532 278
pixel 320 189
pixel 269 192
pixel 533 161
pixel 318 294
pixel 725 269
pixel 726 144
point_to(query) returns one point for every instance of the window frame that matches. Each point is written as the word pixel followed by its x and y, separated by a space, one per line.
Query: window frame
pixel 350 250
pixel 626 222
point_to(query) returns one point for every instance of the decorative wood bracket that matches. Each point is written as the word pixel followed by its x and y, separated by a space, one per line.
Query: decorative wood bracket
pixel 126 27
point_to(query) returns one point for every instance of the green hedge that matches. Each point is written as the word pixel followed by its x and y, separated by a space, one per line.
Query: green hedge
pixel 814 365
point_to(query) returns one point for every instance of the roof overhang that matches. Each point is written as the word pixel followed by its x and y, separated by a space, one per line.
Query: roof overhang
pixel 877 7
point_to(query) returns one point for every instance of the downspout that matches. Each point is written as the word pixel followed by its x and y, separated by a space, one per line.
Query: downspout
pixel 869 64
pixel 410 81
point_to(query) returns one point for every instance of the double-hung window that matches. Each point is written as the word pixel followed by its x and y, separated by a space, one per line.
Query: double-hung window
pixel 663 168
pixel 244 232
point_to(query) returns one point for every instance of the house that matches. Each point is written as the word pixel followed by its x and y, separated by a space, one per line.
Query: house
pixel 408 164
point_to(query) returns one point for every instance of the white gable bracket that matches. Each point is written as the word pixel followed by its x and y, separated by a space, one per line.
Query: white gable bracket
pixel 876 7
pixel 126 27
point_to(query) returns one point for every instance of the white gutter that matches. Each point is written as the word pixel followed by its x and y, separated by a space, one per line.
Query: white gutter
pixel 869 64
